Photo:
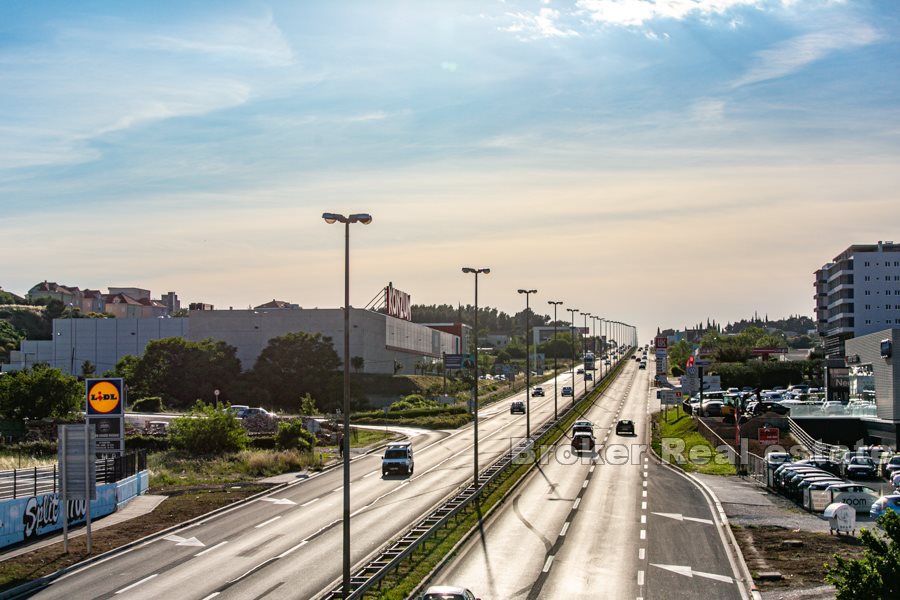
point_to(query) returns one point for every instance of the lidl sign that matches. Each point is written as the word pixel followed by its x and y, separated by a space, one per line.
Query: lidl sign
pixel 104 397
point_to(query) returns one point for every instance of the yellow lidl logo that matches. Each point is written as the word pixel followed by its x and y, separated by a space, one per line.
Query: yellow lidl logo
pixel 103 397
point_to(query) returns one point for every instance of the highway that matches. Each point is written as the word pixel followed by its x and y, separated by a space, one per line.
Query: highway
pixel 616 525
pixel 288 545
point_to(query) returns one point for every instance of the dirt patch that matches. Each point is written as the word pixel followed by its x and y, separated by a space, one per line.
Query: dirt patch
pixel 800 566
pixel 181 505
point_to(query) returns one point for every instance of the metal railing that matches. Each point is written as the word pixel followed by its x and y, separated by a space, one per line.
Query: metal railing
pixel 36 481
pixel 372 573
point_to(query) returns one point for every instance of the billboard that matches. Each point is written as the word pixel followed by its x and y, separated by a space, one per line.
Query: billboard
pixel 105 410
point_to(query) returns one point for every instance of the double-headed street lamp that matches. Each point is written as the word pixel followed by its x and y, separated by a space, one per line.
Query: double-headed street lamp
pixel 583 341
pixel 555 367
pixel 594 320
pixel 572 322
pixel 475 391
pixel 527 361
pixel 365 219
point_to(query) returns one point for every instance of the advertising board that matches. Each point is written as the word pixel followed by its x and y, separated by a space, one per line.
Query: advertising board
pixel 105 411
pixel 397 303
pixel 768 435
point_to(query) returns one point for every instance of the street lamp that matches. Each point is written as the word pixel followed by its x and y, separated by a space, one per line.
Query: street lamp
pixel 365 219
pixel 475 391
pixel 594 320
pixel 555 303
pixel 527 362
pixel 572 316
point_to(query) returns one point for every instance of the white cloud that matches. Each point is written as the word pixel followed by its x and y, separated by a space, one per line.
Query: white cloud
pixel 792 55
pixel 638 12
pixel 530 26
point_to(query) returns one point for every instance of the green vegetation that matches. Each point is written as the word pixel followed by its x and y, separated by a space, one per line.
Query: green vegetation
pixel 208 430
pixel 180 469
pixel 683 445
pixel 149 404
pixel 292 435
pixel 39 393
pixel 877 574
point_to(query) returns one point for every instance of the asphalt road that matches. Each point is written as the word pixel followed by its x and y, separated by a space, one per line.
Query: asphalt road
pixel 288 545
pixel 615 526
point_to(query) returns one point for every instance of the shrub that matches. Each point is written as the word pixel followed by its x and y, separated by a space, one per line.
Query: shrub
pixel 262 442
pixel 151 443
pixel 208 431
pixel 413 401
pixel 148 404
pixel 293 435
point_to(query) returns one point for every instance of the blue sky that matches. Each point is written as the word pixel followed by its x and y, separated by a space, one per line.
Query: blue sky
pixel 655 162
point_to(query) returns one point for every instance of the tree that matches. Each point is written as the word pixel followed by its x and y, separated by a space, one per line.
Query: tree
pixel 299 363
pixel 181 372
pixel 357 362
pixel 88 369
pixel 679 352
pixel 124 368
pixel 877 574
pixel 308 406
pixel 208 430
pixel 39 393
pixel 10 337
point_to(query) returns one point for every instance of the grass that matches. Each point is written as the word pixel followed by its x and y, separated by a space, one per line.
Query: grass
pixel 686 448
pixel 362 438
pixel 174 468
pixel 11 460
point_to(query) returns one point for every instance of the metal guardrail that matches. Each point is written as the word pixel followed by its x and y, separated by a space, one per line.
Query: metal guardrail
pixel 35 481
pixel 372 573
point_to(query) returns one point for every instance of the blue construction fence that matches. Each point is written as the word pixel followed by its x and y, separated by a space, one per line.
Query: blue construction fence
pixel 30 515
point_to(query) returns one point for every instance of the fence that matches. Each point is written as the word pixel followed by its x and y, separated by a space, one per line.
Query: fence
pixel 35 481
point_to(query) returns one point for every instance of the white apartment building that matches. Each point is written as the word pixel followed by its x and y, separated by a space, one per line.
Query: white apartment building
pixel 857 293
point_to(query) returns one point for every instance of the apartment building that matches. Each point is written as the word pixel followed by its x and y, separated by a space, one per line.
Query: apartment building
pixel 857 293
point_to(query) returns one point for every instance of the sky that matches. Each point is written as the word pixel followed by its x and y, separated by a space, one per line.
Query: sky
pixel 651 162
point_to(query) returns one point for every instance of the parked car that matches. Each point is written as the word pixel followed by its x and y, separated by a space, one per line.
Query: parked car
pixel 398 458
pixel 833 407
pixel 625 427
pixel 567 390
pixel 858 496
pixel 448 592
pixel 860 466
pixel 713 408
pixel 891 502
pixel 517 407
pixel 537 391
pixel 237 409
pixel 891 466
pixel 255 412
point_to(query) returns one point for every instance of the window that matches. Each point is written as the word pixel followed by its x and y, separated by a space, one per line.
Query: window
pixel 866 278
pixel 867 293
pixel 867 263
pixel 868 321
pixel 868 307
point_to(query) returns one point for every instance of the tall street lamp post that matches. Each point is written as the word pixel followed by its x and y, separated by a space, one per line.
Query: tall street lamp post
pixel 572 316
pixel 527 361
pixel 365 219
pixel 555 367
pixel 594 320
pixel 475 391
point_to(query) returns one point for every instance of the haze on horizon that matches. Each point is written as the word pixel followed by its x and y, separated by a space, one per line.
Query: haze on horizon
pixel 652 162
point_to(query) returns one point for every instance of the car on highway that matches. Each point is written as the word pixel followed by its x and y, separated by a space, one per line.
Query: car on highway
pixel 860 466
pixel 588 376
pixel 448 592
pixel 517 407
pixel 582 426
pixel 891 502
pixel 398 458
pixel 567 390
pixel 537 391
pixel 583 441
pixel 625 427
pixel 643 365
pixel 579 371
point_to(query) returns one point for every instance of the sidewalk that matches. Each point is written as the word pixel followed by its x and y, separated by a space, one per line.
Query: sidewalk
pixel 139 506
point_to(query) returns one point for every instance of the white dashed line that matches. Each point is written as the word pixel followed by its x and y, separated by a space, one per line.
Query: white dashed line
pixel 643 506
pixel 577 502
pixel 584 484
pixel 642 553
pixel 643 519
pixel 137 583
pixel 564 529
pixel 211 548
pixel 645 484
pixel 640 578
pixel 213 595
pixel 289 550
pixel 548 563
pixel 591 470
pixel 370 474
pixel 337 489
pixel 643 534
pixel 272 520
pixel 310 502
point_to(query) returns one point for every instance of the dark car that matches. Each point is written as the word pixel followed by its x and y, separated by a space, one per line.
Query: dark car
pixel 891 467
pixel 860 466
pixel 625 427
pixel 537 391
pixel 582 442
pixel 517 407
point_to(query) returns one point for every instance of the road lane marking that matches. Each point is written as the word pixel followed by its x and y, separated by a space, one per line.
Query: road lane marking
pixel 687 571
pixel 310 502
pixel 577 502
pixel 584 484
pixel 291 549
pixel 213 595
pixel 272 520
pixel 643 534
pixel 640 578
pixel 370 474
pixel 680 517
pixel 644 494
pixel 337 489
pixel 645 484
pixel 591 470
pixel 642 553
pixel 564 529
pixel 548 563
pixel 643 519
pixel 137 583
pixel 643 506
pixel 211 548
